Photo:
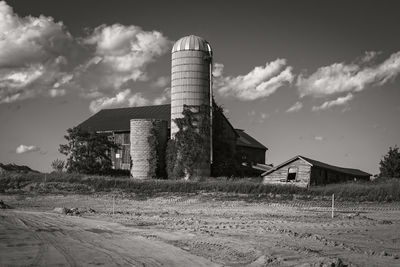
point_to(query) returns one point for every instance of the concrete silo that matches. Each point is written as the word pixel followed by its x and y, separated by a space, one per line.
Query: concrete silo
pixel 142 151
pixel 191 85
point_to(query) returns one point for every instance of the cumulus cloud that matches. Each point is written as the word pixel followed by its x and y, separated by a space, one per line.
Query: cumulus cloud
pixel 22 149
pixel 164 97
pixel 342 78
pixel 161 82
pixel 38 56
pixel 318 138
pixel 122 99
pixel 218 69
pixel 296 107
pixel 259 83
pixel 33 53
pixel 121 53
pixel 337 102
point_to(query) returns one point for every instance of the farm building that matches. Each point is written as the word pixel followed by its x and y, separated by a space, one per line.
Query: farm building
pixel 304 172
pixel 191 87
pixel 116 122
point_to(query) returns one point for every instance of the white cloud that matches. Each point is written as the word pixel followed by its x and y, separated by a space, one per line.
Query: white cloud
pixel 296 107
pixel 121 53
pixel 259 83
pixel 218 70
pixel 33 53
pixel 161 82
pixel 122 99
pixel 337 102
pixel 319 138
pixel 340 77
pixel 21 149
pixel 57 92
pixel 164 97
pixel 38 56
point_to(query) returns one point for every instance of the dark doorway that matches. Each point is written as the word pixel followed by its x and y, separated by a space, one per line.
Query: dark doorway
pixel 292 174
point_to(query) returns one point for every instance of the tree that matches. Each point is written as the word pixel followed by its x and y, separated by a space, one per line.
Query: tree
pixel 87 152
pixel 390 164
pixel 58 165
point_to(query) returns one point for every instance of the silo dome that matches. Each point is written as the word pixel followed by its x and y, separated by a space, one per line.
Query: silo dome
pixel 192 42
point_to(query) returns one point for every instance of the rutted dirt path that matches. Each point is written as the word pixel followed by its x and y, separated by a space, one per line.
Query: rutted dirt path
pixel 46 239
pixel 195 231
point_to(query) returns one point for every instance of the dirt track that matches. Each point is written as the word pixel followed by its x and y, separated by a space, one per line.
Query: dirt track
pixel 196 231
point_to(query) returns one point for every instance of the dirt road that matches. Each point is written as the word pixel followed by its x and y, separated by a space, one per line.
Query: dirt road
pixel 46 239
pixel 196 230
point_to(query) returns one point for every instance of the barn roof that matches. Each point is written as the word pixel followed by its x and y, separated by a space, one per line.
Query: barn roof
pixel 248 141
pixel 320 164
pixel 118 120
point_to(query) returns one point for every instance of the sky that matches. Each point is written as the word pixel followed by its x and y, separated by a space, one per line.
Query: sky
pixel 313 78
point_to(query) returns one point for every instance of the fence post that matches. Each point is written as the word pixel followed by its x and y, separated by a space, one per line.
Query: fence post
pixel 333 205
pixel 113 203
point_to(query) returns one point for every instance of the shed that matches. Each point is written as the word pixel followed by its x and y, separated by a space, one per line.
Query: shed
pixel 304 172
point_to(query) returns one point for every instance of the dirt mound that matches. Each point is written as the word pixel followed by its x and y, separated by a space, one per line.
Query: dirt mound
pixel 72 211
pixel 4 206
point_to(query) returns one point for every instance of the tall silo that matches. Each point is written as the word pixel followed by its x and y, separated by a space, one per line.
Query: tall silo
pixel 191 85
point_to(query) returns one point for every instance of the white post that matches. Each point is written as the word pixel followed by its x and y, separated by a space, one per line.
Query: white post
pixel 113 203
pixel 333 205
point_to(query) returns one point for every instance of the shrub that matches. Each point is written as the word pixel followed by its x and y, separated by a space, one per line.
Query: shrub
pixel 390 164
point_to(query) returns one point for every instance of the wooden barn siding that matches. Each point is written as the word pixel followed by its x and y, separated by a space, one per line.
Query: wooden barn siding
pixel 228 133
pixel 321 176
pixel 254 155
pixel 279 176
pixel 124 162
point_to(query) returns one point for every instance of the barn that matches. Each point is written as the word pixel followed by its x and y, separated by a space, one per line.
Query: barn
pixel 116 123
pixel 305 172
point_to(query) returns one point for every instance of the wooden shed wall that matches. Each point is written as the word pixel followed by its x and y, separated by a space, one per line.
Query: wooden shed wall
pixel 321 176
pixel 279 176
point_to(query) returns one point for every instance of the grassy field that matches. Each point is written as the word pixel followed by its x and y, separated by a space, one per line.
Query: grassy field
pixel 378 191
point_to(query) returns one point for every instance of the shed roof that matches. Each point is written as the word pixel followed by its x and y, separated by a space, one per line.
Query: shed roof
pixel 320 164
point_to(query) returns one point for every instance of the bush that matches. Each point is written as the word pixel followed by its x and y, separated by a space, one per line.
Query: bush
pixel 390 164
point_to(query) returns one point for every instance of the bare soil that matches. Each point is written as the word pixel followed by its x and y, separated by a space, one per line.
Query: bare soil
pixel 195 230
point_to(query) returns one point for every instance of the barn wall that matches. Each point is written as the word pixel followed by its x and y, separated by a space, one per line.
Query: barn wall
pixel 253 155
pixel 123 161
pixel 279 176
pixel 228 134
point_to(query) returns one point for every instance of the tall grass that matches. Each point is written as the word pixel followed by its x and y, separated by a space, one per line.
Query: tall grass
pixel 384 190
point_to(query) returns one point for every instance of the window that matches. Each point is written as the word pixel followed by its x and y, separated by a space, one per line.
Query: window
pixel 292 174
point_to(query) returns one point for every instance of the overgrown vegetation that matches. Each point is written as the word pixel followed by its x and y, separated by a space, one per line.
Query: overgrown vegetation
pixel 390 164
pixel 87 152
pixel 57 165
pixel 156 169
pixel 190 147
pixel 383 190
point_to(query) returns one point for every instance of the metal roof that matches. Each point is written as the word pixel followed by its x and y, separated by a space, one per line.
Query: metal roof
pixel 247 141
pixel 192 42
pixel 320 164
pixel 118 119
